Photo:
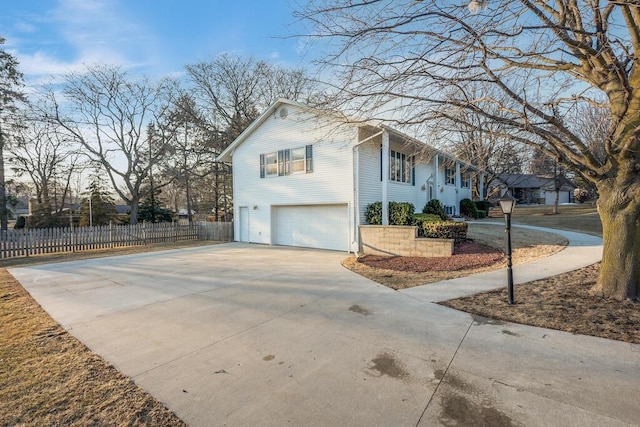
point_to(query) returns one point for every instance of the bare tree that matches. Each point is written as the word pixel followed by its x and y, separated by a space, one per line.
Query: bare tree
pixel 229 93
pixel 108 113
pixel 49 160
pixel 547 58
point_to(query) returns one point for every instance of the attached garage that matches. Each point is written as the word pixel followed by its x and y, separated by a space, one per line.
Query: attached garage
pixel 312 226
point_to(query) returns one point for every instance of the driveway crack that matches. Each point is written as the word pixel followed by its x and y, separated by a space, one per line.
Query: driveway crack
pixel 445 372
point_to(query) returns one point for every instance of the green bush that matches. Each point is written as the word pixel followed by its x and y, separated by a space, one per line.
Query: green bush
pixel 483 205
pixel 373 213
pixel 435 207
pixel 482 214
pixel 468 208
pixel 445 230
pixel 418 219
pixel 400 213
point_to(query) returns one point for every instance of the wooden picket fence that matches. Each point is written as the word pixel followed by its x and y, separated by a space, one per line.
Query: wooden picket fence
pixel 21 243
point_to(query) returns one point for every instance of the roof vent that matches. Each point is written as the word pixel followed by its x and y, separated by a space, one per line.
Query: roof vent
pixel 283 113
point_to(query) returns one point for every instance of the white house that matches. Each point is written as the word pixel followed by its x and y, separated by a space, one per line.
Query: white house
pixel 304 178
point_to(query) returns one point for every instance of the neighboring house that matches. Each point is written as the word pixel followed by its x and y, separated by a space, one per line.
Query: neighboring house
pixel 532 189
pixel 304 178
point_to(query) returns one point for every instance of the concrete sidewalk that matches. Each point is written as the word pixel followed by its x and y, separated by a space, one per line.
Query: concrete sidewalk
pixel 240 334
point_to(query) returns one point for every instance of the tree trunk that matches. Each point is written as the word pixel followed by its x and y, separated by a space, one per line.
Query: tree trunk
pixel 620 271
pixel 133 216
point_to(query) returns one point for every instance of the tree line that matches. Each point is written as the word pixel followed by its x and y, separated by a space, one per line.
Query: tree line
pixel 151 143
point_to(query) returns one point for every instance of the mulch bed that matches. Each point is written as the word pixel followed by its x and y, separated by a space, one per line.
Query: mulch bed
pixel 467 255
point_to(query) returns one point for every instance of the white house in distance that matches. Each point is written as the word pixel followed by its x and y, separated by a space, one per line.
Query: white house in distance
pixel 304 178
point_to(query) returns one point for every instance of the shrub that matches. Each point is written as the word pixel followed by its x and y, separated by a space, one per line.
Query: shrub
pixel 482 214
pixel 581 195
pixel 20 223
pixel 400 213
pixel 468 208
pixel 418 219
pixel 445 230
pixel 373 213
pixel 435 207
pixel 483 205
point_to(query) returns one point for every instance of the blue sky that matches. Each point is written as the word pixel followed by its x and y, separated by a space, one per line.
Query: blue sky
pixel 155 37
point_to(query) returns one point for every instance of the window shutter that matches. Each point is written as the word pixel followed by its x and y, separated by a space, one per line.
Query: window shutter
pixel 413 170
pixel 280 162
pixel 262 167
pixel 287 162
pixel 381 163
pixel 309 157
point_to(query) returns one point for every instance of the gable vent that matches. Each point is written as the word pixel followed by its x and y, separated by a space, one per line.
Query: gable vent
pixel 283 113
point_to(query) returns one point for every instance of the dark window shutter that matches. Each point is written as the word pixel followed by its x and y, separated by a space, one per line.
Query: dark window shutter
pixel 413 170
pixel 381 163
pixel 262 171
pixel 280 162
pixel 287 162
pixel 309 157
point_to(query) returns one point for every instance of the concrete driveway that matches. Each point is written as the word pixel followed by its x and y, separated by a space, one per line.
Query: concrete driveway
pixel 240 334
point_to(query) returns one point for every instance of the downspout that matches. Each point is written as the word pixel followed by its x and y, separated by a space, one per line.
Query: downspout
pixel 355 223
pixel 436 178
pixel 385 177
pixel 456 208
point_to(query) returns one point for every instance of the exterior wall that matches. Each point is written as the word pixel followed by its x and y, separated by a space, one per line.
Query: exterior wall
pixel 370 185
pixel 401 241
pixel 331 181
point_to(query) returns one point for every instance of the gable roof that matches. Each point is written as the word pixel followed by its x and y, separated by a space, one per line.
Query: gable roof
pixel 226 154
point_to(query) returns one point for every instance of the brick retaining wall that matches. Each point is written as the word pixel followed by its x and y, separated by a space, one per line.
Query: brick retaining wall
pixel 401 241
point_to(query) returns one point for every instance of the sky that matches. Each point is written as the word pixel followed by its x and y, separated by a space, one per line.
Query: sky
pixel 153 37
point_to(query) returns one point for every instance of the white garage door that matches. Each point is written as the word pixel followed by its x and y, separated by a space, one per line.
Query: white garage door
pixel 550 197
pixel 318 226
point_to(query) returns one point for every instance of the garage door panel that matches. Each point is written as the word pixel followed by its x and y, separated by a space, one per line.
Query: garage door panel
pixel 318 226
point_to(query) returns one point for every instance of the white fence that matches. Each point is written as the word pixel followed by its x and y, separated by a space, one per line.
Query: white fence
pixel 20 243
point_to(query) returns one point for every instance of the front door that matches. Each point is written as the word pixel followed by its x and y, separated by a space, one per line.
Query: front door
pixel 244 224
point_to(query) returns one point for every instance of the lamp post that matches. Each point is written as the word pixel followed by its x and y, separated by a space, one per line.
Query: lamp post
pixel 507 203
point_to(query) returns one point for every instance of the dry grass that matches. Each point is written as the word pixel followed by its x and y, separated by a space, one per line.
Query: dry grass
pixel 48 377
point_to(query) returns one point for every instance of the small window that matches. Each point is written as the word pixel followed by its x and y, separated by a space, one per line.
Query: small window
pixel 271 162
pixel 450 176
pixel 298 161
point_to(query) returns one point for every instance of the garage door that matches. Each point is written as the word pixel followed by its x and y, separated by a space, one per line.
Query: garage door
pixel 317 226
pixel 550 197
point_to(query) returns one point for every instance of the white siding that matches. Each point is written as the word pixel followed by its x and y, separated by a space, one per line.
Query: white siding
pixel 370 185
pixel 331 181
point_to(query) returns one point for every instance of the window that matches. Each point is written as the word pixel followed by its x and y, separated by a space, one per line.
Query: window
pixel 401 168
pixel 271 160
pixel 450 176
pixel 286 162
pixel 466 180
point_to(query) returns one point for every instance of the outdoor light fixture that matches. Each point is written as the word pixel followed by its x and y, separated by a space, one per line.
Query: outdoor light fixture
pixel 474 6
pixel 507 203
